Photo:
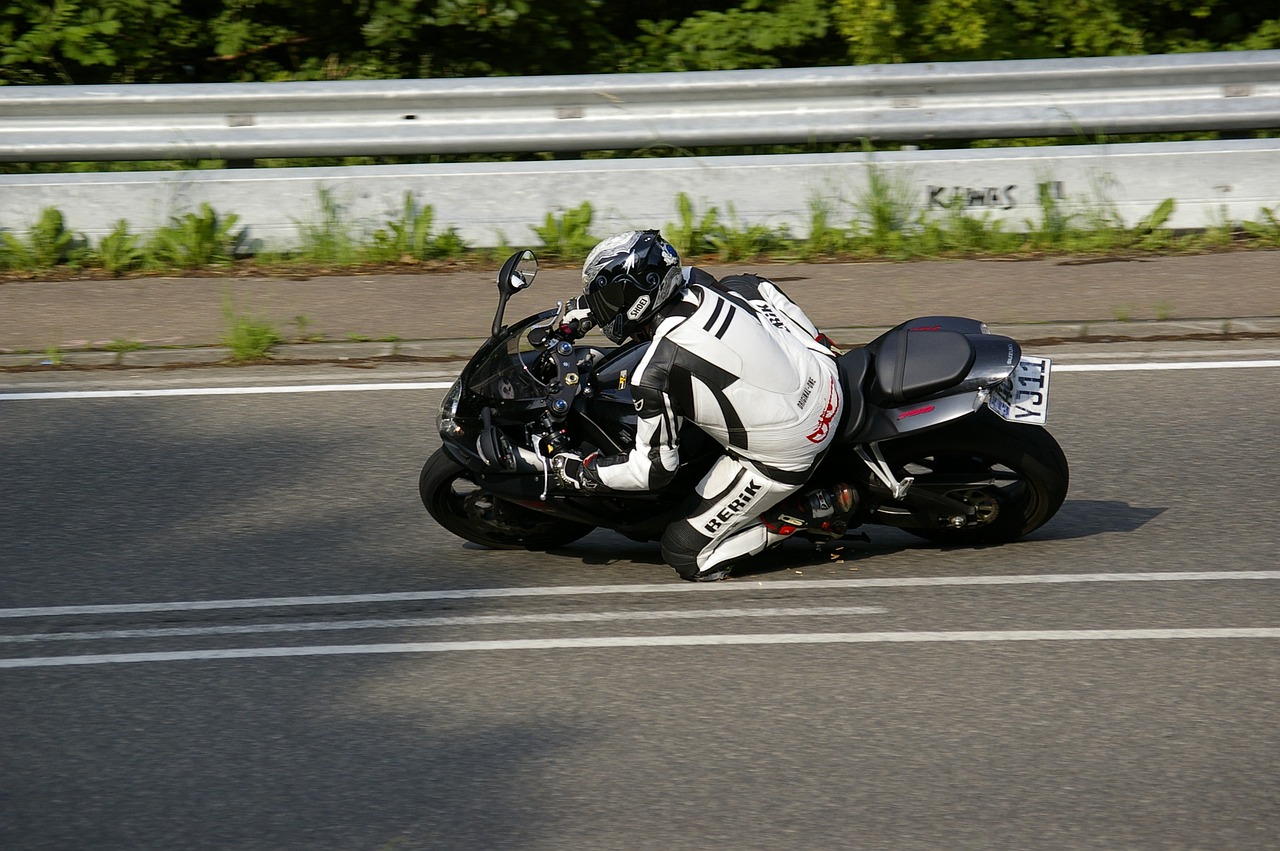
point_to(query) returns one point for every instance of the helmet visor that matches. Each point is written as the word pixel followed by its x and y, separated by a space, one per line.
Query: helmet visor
pixel 606 302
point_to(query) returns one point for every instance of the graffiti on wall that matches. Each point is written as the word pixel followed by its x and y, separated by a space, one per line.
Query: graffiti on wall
pixel 989 197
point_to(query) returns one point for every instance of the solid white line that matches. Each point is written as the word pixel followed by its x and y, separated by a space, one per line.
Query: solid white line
pixel 445 385
pixel 666 588
pixel 645 641
pixel 464 620
pixel 1142 367
pixel 225 391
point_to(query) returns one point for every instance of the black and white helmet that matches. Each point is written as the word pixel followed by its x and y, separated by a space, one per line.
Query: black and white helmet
pixel 626 278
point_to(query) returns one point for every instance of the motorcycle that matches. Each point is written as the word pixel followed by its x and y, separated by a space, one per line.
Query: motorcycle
pixel 941 435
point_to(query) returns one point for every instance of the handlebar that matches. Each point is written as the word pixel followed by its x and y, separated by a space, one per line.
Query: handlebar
pixel 568 331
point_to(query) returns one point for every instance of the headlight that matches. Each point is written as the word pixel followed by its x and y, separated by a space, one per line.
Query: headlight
pixel 446 421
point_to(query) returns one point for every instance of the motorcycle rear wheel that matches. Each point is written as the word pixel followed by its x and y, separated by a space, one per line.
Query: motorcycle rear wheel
pixel 1014 475
pixel 453 500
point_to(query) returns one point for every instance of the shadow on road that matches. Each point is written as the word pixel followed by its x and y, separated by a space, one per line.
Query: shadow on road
pixel 1083 518
pixel 1080 518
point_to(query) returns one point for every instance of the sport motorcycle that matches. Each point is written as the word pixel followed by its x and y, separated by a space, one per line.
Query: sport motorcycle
pixel 941 435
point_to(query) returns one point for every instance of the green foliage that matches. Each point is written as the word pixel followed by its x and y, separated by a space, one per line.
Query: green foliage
pixel 194 240
pixel 692 235
pixel 329 240
pixel 959 232
pixel 410 238
pixel 48 244
pixel 1267 231
pixel 90 41
pixel 696 235
pixel 949 30
pixel 741 241
pixel 41 35
pixel 1149 233
pixel 569 236
pixel 1054 222
pixel 885 210
pixel 249 338
pixel 754 34
pixel 120 251
pixel 127 41
pixel 823 239
pixel 122 347
pixel 1220 233
pixel 887 224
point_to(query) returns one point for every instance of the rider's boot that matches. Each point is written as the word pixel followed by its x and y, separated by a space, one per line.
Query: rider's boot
pixel 821 511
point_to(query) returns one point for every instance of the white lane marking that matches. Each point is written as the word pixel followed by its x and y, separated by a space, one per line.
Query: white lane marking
pixel 645 641
pixel 667 588
pixel 1140 367
pixel 445 385
pixel 226 391
pixel 461 620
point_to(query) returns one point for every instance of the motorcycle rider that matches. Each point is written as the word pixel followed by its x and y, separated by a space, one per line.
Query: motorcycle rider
pixel 741 361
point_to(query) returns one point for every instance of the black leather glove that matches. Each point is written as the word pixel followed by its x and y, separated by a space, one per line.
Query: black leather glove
pixel 571 472
pixel 576 311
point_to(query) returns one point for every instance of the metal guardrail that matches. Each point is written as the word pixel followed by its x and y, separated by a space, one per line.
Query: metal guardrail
pixel 239 121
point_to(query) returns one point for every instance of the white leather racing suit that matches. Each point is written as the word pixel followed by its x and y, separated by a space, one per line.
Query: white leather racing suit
pixel 743 362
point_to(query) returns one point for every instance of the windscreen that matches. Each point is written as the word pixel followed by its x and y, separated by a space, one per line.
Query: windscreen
pixel 504 374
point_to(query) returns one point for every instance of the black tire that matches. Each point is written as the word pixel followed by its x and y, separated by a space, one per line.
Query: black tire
pixel 1023 468
pixel 452 498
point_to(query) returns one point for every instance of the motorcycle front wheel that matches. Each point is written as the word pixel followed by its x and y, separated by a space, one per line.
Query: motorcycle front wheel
pixel 453 500
pixel 1014 477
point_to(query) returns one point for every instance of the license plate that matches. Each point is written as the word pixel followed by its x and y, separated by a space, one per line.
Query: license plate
pixel 1023 397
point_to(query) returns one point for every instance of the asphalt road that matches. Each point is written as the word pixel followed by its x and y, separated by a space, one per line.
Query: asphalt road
pixel 1109 683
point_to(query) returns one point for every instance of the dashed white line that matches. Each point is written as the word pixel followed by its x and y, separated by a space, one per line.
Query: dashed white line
pixel 460 620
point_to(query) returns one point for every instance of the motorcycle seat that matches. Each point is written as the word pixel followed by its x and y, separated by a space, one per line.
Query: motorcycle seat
pixel 913 364
pixel 853 367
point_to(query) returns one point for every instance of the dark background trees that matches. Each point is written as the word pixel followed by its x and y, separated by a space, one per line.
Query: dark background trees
pixel 141 41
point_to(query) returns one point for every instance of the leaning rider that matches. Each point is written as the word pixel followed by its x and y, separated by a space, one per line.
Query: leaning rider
pixel 741 361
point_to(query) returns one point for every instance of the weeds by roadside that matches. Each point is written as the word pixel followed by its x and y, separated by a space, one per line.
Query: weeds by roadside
pixel 248 338
pixel 567 236
pixel 883 223
pixel 48 244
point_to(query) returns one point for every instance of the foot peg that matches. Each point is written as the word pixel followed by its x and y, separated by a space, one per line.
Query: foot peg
pixel 822 511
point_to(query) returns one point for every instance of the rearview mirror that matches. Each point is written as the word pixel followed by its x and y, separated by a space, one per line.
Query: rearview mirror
pixel 516 274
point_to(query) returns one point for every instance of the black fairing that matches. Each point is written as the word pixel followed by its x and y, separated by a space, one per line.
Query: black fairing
pixel 602 418
pixel 608 415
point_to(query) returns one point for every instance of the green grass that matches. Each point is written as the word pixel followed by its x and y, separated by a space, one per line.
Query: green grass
pixel 1267 232
pixel 48 244
pixel 885 223
pixel 328 241
pixel 250 339
pixel 192 241
pixel 567 236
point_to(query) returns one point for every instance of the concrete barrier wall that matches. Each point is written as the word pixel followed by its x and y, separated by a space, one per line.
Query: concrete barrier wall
pixel 499 203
